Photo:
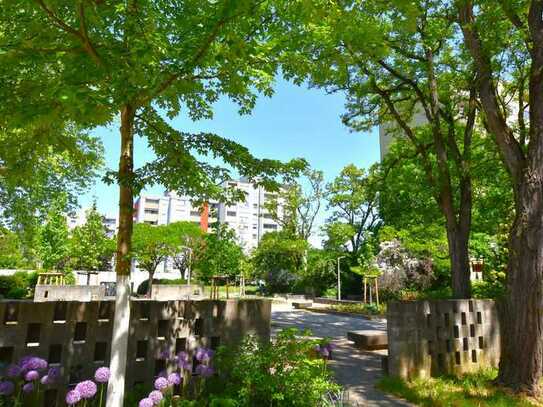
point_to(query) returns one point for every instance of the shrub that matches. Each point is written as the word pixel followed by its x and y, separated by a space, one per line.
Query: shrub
pixel 258 374
pixel 19 285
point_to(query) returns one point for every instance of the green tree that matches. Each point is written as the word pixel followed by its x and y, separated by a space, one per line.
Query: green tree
pixel 221 255
pixel 505 42
pixel 53 246
pixel 93 62
pixel 278 259
pixel 152 245
pixel 11 256
pixel 294 207
pixel 90 246
pixel 400 69
pixel 187 239
pixel 38 165
pixel 352 198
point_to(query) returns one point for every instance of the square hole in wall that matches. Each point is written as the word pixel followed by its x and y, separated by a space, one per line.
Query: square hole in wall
pixel 141 350
pixel 215 342
pixel 455 307
pixel 145 311
pixel 100 351
pixel 472 330
pixel 440 360
pixel 11 314
pixel 474 356
pixel 50 398
pixel 55 354
pixel 448 345
pixel 457 357
pixel 428 320
pixel 105 310
pixel 430 344
pixel 33 332
pixel 198 327
pixel 463 317
pixel 6 354
pixel 470 306
pixel 180 345
pixel 160 367
pixel 60 312
pixel 195 363
pixel 456 331
pixel 80 334
pixel 479 318
pixel 446 319
pixel 162 328
pixel 481 342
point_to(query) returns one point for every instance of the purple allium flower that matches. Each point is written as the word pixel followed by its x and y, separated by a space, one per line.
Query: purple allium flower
pixel 102 375
pixel 184 365
pixel 203 354
pixel 324 352
pixel 156 396
pixel 32 375
pixel 13 371
pixel 33 363
pixel 164 354
pixel 6 388
pixel 45 380
pixel 174 379
pixel 146 402
pixel 28 388
pixel 182 357
pixel 204 371
pixel 73 397
pixel 86 388
pixel 161 383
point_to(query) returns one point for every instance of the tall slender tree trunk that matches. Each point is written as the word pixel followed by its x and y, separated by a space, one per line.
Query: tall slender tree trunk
pixel 121 320
pixel 458 240
pixel 521 362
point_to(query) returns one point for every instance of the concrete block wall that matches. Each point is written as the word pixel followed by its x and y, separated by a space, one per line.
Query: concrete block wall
pixel 83 293
pixel 172 292
pixel 76 336
pixel 430 338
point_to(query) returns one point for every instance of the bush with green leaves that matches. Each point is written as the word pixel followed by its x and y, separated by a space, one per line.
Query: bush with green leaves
pixel 273 374
pixel 19 285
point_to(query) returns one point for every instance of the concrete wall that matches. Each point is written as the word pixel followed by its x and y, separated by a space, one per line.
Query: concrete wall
pixel 429 338
pixel 76 336
pixel 83 293
pixel 165 292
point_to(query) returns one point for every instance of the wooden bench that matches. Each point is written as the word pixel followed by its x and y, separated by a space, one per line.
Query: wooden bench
pixel 369 340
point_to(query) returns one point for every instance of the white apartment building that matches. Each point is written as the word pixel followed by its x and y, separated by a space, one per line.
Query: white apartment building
pixel 80 218
pixel 249 219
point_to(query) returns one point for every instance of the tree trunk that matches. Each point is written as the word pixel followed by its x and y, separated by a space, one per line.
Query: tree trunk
pixel 521 361
pixel 121 320
pixel 459 253
pixel 150 285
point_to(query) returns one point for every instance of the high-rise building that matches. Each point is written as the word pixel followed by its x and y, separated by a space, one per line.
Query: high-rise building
pixel 79 218
pixel 249 219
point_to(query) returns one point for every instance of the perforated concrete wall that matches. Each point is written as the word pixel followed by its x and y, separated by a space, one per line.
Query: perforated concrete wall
pixel 429 338
pixel 75 336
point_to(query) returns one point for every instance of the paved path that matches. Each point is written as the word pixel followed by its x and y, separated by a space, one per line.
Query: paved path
pixel 356 370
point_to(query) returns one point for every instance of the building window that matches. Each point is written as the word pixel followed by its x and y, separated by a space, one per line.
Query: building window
pixel 151 211
pixel 269 197
pixel 152 222
pixel 255 227
pixel 230 213
pixel 232 184
pixel 270 226
pixel 267 216
pixel 254 236
pixel 153 201
pixel 255 206
pixel 194 213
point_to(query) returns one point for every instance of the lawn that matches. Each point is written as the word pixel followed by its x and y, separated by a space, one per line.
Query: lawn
pixel 474 389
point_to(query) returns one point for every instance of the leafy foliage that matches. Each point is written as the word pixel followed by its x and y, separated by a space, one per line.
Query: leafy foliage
pixel 53 246
pixel 278 259
pixel 258 374
pixel 90 247
pixel 221 256
pixel 19 285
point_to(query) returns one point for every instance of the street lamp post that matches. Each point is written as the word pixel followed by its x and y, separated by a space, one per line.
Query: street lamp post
pixel 339 277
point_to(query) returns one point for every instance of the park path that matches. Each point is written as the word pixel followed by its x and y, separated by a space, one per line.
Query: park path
pixel 358 371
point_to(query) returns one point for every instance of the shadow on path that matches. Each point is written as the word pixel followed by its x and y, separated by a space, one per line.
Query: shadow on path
pixel 358 371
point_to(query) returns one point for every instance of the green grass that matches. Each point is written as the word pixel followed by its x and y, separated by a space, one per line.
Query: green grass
pixel 364 309
pixel 470 390
pixel 233 291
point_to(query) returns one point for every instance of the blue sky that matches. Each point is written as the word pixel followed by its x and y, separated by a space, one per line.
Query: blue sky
pixel 295 122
